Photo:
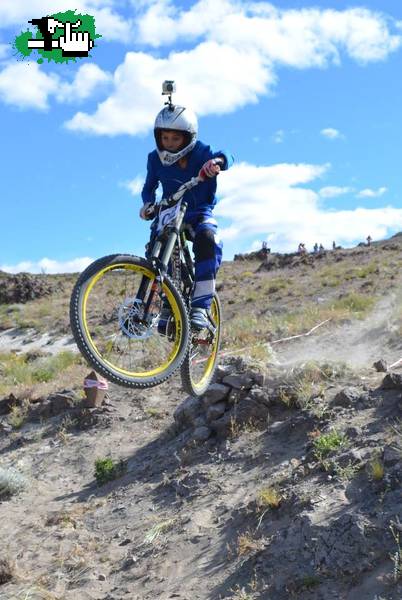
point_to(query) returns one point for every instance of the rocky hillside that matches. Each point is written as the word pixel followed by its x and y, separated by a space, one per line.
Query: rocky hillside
pixel 283 481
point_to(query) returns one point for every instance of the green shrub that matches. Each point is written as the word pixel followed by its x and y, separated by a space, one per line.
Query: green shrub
pixel 327 442
pixel 354 303
pixel 107 470
pixel 18 369
pixel 11 482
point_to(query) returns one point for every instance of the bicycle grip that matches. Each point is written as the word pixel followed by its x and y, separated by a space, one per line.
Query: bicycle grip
pixel 202 174
pixel 149 213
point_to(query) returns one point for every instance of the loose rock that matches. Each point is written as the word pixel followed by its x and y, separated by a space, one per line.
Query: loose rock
pixel 380 366
pixel 347 397
pixel 215 411
pixel 215 393
pixel 392 381
pixel 238 382
pixel 202 433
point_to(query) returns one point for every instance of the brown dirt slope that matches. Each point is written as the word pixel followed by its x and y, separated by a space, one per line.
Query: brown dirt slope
pixel 291 490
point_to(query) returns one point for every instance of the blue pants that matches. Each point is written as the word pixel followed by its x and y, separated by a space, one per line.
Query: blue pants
pixel 207 249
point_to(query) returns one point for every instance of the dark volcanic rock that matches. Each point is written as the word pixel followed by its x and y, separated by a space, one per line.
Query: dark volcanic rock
pixel 215 411
pixel 215 393
pixel 392 381
pixel 186 412
pixel 22 287
pixel 222 426
pixel 6 571
pixel 346 397
pixel 238 381
pixel 380 366
pixel 7 403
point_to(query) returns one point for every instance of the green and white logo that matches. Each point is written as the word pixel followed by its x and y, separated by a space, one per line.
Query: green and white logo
pixel 59 37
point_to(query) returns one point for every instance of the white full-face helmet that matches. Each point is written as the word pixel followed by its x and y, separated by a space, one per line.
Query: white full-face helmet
pixel 175 118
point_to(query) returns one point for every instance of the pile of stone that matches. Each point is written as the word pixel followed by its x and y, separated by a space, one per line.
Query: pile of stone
pixel 22 287
pixel 257 255
pixel 236 398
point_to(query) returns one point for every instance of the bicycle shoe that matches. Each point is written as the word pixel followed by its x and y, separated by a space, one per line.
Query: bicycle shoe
pixel 199 318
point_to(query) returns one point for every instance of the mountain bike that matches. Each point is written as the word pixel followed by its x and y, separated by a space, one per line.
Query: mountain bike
pixel 130 315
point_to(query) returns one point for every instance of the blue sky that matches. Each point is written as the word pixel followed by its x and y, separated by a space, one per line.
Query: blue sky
pixel 306 96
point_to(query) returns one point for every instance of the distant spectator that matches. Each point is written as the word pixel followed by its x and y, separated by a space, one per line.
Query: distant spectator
pixel 301 248
pixel 333 246
pixel 315 248
pixel 265 250
pixel 369 238
pixel 321 248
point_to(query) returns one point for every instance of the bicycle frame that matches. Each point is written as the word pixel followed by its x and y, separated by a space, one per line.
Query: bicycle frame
pixel 164 244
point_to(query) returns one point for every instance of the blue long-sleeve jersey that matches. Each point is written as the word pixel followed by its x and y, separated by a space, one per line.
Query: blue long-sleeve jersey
pixel 202 198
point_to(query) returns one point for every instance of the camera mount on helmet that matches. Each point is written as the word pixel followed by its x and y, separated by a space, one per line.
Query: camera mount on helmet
pixel 168 88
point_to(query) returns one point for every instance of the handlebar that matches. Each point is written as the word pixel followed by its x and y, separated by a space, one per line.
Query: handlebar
pixel 154 209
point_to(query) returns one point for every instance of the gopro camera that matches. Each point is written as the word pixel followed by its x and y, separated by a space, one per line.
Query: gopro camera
pixel 168 87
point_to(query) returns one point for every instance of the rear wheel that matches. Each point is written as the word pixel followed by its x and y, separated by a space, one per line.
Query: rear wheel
pixel 200 363
pixel 117 331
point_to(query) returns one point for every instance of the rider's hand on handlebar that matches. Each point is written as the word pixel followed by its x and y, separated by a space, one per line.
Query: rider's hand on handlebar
pixel 210 169
pixel 147 211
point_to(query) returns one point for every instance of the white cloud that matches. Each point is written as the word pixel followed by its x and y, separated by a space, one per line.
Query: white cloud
pixel 162 23
pixel 88 78
pixel 135 185
pixel 269 202
pixel 278 136
pixel 304 37
pixel 332 191
pixel 108 22
pixel 219 90
pixel 26 85
pixel 240 48
pixel 369 193
pixel 47 265
pixel 331 133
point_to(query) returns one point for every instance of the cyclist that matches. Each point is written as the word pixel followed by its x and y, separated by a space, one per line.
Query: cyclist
pixel 178 157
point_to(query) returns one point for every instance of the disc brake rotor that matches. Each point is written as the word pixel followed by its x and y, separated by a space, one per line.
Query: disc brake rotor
pixel 131 319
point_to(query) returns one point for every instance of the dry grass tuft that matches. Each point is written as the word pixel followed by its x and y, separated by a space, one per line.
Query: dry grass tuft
pixel 376 469
pixel 269 497
pixel 247 543
pixel 159 529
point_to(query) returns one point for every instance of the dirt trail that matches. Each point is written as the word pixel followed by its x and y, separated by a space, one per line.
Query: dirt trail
pixel 358 343
pixel 27 340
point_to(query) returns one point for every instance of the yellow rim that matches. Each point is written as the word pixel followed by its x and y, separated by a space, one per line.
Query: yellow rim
pixel 211 360
pixel 174 308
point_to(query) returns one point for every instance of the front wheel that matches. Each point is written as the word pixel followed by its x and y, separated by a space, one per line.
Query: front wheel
pixel 115 310
pixel 200 363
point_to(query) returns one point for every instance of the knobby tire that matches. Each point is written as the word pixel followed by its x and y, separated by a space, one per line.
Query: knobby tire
pixel 88 348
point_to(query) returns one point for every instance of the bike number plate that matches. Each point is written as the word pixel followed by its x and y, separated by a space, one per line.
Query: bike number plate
pixel 167 216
